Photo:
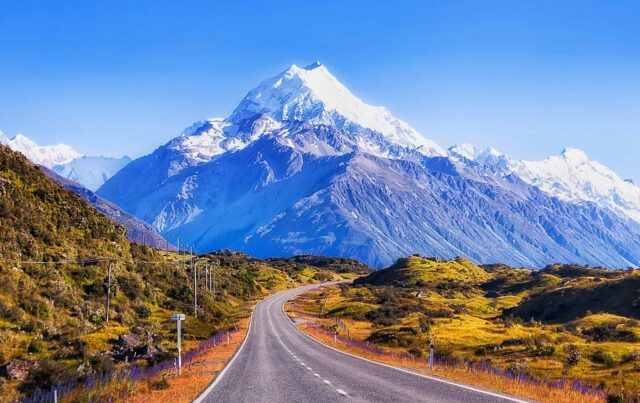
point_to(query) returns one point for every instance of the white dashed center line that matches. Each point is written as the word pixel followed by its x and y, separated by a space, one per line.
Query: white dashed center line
pixel 340 391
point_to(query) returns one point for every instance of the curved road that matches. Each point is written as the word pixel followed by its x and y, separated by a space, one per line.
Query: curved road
pixel 278 363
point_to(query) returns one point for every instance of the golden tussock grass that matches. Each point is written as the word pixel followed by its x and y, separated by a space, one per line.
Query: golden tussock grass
pixel 196 376
pixel 318 328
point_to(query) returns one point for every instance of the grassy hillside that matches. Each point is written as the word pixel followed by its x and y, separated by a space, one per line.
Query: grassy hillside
pixel 54 260
pixel 563 321
pixel 416 271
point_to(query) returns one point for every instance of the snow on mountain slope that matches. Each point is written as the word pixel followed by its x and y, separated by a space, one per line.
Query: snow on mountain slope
pixel 90 172
pixel 42 155
pixel 570 176
pixel 303 166
pixel 280 106
pixel 206 139
pixel 313 95
pixel 270 199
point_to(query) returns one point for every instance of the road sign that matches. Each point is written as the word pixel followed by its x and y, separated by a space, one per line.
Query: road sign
pixel 179 317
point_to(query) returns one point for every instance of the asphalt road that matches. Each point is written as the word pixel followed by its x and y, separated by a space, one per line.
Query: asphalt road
pixel 278 363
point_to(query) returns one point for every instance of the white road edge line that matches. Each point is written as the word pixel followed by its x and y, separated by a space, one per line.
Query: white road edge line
pixel 221 374
pixel 433 378
pixel 342 392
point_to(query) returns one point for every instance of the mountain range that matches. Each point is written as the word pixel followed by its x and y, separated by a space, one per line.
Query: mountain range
pixel 89 171
pixel 304 166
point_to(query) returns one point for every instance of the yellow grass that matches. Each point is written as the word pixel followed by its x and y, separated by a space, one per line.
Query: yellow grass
pixel 196 376
pixel 459 334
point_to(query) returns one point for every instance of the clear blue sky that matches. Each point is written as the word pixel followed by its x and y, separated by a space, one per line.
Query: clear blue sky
pixel 528 77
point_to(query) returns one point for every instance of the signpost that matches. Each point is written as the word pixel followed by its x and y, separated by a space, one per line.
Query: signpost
pixel 179 317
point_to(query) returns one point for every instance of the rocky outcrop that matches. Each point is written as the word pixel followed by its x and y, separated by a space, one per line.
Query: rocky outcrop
pixel 139 344
pixel 18 370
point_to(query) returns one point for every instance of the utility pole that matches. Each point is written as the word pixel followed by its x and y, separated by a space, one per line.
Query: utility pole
pixel 206 276
pixel 214 281
pixel 108 290
pixel 195 286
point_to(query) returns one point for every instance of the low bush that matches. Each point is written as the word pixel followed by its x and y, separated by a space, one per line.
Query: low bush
pixel 574 355
pixel 160 384
pixel 609 331
pixel 143 311
pixel 541 345
pixel 604 357
pixel 416 352
pixel 633 356
pixel 37 346
pixel 387 315
pixel 517 368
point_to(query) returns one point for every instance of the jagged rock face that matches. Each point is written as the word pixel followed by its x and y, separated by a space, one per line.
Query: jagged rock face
pixel 303 167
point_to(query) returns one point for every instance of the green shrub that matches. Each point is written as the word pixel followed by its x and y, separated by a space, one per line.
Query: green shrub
pixel 131 285
pixel 416 352
pixel 389 314
pixel 143 311
pixel 631 357
pixel 574 355
pixel 609 331
pixel 541 345
pixel 425 324
pixel 518 368
pixel 160 384
pixel 37 346
pixel 616 397
pixel 101 364
pixel 604 357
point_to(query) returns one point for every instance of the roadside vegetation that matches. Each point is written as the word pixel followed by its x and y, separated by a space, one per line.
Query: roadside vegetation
pixel 55 254
pixel 552 327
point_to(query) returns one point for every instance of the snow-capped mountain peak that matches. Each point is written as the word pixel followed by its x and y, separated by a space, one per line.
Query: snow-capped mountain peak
pixel 48 156
pixel 574 177
pixel 570 176
pixel 312 94
pixel 575 155
pixel 488 156
pixel 90 172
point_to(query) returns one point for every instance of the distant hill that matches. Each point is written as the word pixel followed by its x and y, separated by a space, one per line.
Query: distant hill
pixel 578 297
pixel 557 294
pixel 416 271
